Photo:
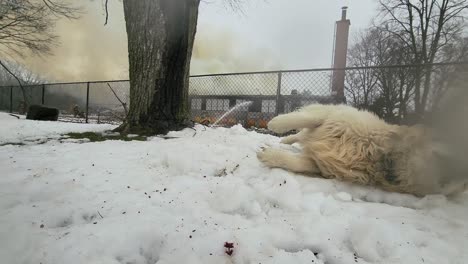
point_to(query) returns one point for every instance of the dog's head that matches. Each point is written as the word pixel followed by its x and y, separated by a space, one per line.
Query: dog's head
pixel 425 165
pixel 407 162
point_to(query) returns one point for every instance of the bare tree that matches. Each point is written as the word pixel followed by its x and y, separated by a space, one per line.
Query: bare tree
pixel 160 40
pixel 396 84
pixel 425 26
pixel 26 76
pixel 443 75
pixel 377 87
pixel 15 74
pixel 160 36
pixel 361 84
pixel 9 72
pixel 122 102
pixel 26 26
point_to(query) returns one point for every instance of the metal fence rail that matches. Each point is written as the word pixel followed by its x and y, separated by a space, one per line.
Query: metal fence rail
pixel 389 91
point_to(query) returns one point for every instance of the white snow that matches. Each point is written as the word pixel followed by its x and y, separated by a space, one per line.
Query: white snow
pixel 179 201
pixel 28 131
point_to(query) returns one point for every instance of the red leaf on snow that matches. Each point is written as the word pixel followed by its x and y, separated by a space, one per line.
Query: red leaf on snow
pixel 229 248
pixel 228 245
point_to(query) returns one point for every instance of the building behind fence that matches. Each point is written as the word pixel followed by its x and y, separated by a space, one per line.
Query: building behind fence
pixel 388 91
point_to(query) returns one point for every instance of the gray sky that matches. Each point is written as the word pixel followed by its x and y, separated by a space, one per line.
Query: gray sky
pixel 297 33
pixel 267 35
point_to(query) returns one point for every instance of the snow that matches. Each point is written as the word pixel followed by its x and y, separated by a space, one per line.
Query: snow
pixel 27 132
pixel 179 201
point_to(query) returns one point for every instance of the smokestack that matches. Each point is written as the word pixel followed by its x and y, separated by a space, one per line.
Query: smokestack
pixel 343 13
pixel 339 55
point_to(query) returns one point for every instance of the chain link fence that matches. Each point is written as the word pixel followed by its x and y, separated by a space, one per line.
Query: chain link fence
pixel 399 94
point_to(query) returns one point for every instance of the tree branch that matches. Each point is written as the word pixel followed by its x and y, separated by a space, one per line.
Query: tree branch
pixel 124 105
pixel 63 10
pixel 107 12
pixel 28 24
pixel 17 79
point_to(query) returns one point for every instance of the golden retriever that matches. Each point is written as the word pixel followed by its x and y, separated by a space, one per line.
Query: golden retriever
pixel 341 142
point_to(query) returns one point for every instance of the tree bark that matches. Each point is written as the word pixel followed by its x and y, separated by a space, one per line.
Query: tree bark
pixel 160 35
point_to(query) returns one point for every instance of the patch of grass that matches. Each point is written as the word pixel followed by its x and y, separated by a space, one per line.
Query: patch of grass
pixel 98 137
pixel 12 144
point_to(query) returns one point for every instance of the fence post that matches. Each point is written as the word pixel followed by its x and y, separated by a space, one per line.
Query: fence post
pixel 87 101
pixel 43 94
pixel 11 99
pixel 278 94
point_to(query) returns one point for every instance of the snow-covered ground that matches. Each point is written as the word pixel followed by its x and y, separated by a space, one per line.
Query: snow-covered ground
pixel 180 201
pixel 13 130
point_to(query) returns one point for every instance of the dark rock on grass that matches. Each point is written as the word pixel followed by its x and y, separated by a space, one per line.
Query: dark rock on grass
pixel 42 113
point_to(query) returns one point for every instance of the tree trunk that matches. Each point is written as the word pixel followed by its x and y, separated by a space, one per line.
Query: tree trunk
pixel 160 42
pixel 417 91
pixel 427 89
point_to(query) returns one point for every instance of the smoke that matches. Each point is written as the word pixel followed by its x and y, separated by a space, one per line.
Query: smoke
pixel 450 132
pixel 220 50
pixel 87 50
pixel 90 51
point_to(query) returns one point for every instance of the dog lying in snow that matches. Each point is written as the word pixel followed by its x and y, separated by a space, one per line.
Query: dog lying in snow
pixel 341 142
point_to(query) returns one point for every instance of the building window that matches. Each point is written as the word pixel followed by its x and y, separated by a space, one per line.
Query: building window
pixel 268 106
pixel 245 108
pixel 196 104
pixel 217 104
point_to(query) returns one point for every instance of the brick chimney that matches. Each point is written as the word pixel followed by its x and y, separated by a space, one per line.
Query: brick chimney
pixel 340 55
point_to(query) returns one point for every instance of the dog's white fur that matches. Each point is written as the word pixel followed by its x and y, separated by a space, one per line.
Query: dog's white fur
pixel 344 143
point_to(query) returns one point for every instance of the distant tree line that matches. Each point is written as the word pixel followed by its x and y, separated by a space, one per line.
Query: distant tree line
pixel 407 33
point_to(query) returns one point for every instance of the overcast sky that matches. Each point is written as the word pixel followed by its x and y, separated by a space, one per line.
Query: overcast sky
pixel 266 35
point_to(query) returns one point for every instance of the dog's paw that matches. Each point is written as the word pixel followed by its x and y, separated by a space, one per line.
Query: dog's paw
pixel 289 140
pixel 268 157
pixel 277 125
